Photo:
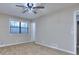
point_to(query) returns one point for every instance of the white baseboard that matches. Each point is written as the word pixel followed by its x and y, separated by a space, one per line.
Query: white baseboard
pixel 14 43
pixel 43 44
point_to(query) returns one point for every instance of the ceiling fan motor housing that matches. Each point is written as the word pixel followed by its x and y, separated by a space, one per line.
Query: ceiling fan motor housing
pixel 30 5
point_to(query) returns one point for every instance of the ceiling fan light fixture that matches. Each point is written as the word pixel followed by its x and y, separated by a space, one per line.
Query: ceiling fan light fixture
pixel 30 4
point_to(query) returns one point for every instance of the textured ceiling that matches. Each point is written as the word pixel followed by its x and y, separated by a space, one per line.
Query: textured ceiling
pixel 11 9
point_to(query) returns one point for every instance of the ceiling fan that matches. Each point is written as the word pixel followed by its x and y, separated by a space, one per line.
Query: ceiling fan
pixel 30 7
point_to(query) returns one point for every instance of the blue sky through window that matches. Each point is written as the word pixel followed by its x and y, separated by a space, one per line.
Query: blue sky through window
pixel 16 26
pixel 14 23
pixel 23 24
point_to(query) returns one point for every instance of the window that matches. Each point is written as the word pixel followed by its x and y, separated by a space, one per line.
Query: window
pixel 24 27
pixel 18 27
pixel 14 27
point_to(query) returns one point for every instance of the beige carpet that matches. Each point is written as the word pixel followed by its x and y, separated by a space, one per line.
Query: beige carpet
pixel 29 49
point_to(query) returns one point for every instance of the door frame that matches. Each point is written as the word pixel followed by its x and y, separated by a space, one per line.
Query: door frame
pixel 75 32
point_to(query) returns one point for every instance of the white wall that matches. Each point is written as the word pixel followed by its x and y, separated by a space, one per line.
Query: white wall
pixel 33 30
pixel 6 38
pixel 57 29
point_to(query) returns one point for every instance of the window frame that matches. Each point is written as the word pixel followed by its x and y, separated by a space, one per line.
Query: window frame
pixel 20 28
pixel 25 27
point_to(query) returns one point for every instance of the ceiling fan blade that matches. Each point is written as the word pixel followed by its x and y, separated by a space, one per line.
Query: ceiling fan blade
pixel 34 12
pixel 38 7
pixel 20 6
pixel 24 11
